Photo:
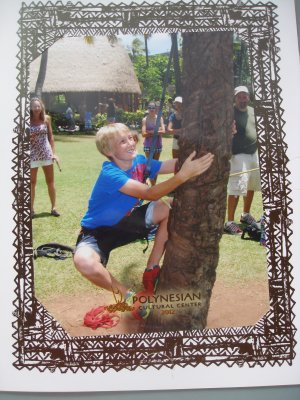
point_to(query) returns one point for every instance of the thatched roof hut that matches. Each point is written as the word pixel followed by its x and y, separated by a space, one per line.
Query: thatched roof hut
pixel 88 74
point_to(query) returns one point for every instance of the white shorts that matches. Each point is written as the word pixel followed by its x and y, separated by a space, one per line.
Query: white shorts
pixel 175 145
pixel 238 185
pixel 40 163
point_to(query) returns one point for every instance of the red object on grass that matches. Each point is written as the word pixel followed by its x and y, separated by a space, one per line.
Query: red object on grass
pixel 100 318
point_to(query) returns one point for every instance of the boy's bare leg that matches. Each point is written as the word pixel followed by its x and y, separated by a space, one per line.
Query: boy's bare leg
pixel 160 216
pixel 87 261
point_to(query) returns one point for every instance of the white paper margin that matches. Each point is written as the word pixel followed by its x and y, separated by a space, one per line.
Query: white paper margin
pixel 12 379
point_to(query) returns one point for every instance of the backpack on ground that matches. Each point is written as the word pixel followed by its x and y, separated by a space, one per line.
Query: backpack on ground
pixel 255 232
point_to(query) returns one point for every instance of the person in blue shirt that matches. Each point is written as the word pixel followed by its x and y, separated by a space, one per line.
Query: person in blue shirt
pixel 116 215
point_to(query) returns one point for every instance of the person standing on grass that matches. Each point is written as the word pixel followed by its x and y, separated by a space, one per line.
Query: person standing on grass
pixel 174 125
pixel 42 152
pixel 111 112
pixel 70 117
pixel 148 126
pixel 115 215
pixel 169 107
pixel 244 158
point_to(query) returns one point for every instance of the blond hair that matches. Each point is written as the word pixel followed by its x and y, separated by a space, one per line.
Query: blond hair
pixel 42 113
pixel 135 136
pixel 106 136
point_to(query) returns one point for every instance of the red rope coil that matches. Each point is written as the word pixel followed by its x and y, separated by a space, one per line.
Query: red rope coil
pixel 100 318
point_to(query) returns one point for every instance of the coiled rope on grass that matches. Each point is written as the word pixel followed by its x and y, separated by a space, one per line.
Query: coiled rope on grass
pixel 100 317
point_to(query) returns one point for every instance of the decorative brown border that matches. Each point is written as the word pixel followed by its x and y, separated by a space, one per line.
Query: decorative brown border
pixel 39 340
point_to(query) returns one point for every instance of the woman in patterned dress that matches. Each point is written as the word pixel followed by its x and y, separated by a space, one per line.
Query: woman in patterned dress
pixel 148 126
pixel 42 151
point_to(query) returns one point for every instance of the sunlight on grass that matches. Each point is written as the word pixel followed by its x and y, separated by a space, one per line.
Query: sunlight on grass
pixel 240 260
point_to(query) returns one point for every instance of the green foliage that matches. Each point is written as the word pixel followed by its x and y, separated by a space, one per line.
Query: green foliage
pixel 57 119
pixel 120 114
pixel 99 120
pixel 241 70
pixel 152 78
pixel 137 48
pixel 133 119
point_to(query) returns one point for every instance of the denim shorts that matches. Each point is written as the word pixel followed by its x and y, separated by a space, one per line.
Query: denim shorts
pixel 104 239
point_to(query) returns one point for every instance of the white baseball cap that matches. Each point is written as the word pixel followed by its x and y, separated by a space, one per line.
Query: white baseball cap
pixel 178 99
pixel 240 89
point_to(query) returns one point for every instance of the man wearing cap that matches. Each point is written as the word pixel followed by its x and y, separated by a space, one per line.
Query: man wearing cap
pixel 244 158
pixel 174 125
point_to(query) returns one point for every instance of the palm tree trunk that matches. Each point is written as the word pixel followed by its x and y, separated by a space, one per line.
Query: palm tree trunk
pixel 197 218
pixel 176 64
pixel 146 49
pixel 42 74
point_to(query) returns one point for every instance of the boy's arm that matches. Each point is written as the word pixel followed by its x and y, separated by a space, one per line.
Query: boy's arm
pixel 168 166
pixel 189 169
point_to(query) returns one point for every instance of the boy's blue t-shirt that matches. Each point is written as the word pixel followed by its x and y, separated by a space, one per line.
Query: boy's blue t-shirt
pixel 107 205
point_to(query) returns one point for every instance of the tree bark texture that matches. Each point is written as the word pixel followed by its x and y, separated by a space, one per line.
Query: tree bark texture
pixel 197 217
pixel 176 64
pixel 42 75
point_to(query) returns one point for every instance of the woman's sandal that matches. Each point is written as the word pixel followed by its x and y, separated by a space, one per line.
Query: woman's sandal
pixel 55 213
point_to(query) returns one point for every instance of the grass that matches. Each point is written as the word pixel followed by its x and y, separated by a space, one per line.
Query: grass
pixel 240 261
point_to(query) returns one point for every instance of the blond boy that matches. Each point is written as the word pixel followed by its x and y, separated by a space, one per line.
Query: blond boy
pixel 116 215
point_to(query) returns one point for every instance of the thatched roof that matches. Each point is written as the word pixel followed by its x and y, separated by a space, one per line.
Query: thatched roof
pixel 75 66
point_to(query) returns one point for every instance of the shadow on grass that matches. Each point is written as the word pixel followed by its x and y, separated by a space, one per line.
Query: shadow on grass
pixel 129 271
pixel 43 215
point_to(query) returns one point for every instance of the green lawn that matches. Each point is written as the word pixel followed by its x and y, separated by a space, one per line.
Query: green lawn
pixel 240 261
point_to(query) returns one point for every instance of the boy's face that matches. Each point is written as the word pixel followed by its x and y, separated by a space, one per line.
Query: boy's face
pixel 123 149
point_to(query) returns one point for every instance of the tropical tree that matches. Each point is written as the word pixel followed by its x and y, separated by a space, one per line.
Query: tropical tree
pixel 197 216
pixel 136 48
pixel 146 38
pixel 41 75
pixel 152 78
pixel 241 70
pixel 176 64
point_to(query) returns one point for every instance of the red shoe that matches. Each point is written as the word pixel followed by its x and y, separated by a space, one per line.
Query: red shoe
pixel 150 278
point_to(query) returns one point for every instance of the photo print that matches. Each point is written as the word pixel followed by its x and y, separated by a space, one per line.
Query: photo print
pixel 194 319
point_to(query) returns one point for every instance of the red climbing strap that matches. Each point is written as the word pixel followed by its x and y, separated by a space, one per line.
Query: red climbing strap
pixel 101 318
